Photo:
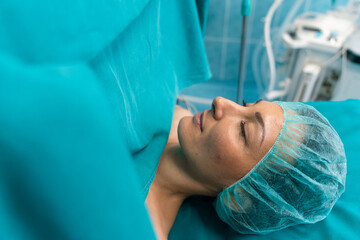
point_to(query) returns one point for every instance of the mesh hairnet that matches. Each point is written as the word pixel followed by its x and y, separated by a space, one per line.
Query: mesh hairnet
pixel 297 181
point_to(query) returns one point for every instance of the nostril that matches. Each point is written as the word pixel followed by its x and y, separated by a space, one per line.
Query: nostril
pixel 213 109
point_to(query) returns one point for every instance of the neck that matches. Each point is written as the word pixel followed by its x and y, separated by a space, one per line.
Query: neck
pixel 173 183
pixel 164 198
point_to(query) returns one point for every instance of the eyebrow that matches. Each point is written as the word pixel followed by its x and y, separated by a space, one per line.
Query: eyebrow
pixel 259 118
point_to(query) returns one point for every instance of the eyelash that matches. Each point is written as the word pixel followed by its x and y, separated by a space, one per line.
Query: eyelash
pixel 242 123
pixel 244 103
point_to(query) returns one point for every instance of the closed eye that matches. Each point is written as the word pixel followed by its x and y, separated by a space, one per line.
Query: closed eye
pixel 242 125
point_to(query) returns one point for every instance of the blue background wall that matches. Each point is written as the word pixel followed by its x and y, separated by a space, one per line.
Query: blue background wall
pixel 222 41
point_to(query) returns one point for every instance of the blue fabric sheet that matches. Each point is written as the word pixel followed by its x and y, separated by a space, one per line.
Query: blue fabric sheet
pixel 65 173
pixel 143 70
pixel 197 218
pixel 63 31
pixel 87 92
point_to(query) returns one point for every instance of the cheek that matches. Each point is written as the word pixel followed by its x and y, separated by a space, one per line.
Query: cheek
pixel 221 145
pixel 228 156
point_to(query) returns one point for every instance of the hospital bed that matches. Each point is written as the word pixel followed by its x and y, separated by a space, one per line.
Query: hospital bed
pixel 87 93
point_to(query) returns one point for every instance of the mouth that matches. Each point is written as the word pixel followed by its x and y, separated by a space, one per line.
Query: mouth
pixel 198 120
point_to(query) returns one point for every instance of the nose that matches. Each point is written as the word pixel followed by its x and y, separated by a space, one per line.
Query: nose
pixel 224 107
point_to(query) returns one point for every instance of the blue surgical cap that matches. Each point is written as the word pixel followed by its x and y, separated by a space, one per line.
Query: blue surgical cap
pixel 297 181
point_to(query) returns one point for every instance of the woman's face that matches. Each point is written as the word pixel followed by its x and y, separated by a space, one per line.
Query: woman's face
pixel 224 143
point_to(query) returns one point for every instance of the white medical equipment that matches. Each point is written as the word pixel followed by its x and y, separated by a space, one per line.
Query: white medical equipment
pixel 349 83
pixel 317 68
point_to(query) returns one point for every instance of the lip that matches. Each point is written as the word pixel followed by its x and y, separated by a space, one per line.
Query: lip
pixel 202 121
pixel 198 120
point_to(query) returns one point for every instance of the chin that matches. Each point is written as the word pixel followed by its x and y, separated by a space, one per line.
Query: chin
pixel 184 133
pixel 181 129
